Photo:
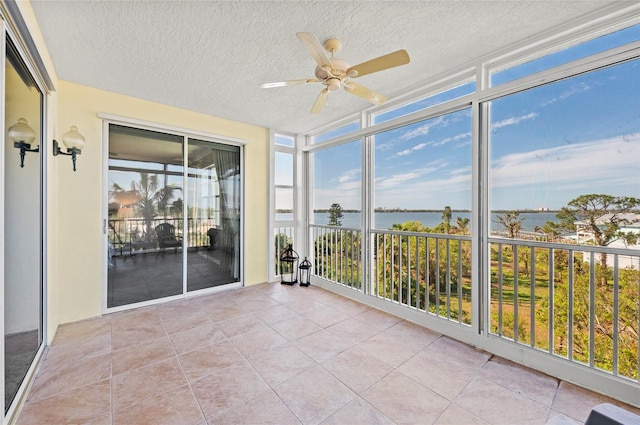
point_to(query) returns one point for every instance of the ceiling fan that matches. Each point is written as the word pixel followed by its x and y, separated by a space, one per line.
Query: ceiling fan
pixel 335 73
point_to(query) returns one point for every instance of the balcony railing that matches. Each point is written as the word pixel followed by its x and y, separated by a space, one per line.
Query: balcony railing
pixel 135 235
pixel 575 303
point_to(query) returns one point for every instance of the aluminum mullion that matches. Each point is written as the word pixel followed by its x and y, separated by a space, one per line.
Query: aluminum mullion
pixel 460 281
pixel 448 282
pixel 418 272
pixel 616 330
pixel 532 298
pixel 592 308
pixel 516 263
pixel 551 319
pixel 570 308
pixel 427 276
pixel 500 281
pixel 437 282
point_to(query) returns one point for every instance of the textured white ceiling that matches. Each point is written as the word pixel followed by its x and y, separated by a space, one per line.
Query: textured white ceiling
pixel 211 56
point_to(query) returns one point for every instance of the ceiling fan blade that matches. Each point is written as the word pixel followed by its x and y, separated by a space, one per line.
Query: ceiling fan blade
pixel 314 47
pixel 287 83
pixel 320 102
pixel 365 93
pixel 400 57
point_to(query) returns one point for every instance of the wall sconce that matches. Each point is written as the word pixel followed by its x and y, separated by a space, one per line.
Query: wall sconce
pixel 23 136
pixel 74 142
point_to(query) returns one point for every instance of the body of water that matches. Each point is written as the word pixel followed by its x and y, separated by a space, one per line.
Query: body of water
pixel 384 220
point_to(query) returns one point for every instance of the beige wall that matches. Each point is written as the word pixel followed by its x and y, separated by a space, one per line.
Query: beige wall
pixel 76 222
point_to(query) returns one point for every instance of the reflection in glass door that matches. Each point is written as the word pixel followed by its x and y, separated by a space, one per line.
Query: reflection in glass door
pixel 213 214
pixel 145 216
pixel 157 230
pixel 23 318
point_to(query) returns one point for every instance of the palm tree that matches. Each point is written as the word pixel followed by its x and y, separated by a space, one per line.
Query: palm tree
pixel 462 225
pixel 446 218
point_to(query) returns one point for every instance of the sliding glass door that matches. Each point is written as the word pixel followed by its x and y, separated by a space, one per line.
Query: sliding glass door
pixel 23 248
pixel 171 228
pixel 213 214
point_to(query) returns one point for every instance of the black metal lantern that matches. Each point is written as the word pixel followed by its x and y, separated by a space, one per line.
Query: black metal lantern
pixel 289 266
pixel 305 272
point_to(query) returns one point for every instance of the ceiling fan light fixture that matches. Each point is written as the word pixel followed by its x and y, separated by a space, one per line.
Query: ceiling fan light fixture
pixel 333 84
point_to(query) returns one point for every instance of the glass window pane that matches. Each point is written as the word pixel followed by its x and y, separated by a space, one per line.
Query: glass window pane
pixel 591 47
pixel 284 169
pixel 421 169
pixel 23 309
pixel 145 215
pixel 555 143
pixel 287 141
pixel 345 129
pixel 213 222
pixel 284 204
pixel 337 179
pixel 427 102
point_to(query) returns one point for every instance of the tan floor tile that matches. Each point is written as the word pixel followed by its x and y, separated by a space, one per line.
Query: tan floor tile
pixel 265 409
pixel 358 412
pixel 378 319
pixel 282 363
pixel 81 349
pixel 353 331
pixel 458 353
pixel 276 314
pixel 322 345
pixel 224 312
pixel 209 359
pixel 130 319
pixel 194 319
pixel 179 309
pixel 139 355
pixel 437 374
pixel 304 306
pixel 512 408
pixel 326 316
pixel 240 325
pixel 391 396
pixel 314 395
pixel 357 369
pixel 456 415
pixel 227 389
pixel 295 329
pixel 390 349
pixel 146 382
pixel 577 402
pixel 522 380
pixel 259 303
pixel 174 407
pixel 87 404
pixel 195 338
pixel 143 333
pixel 254 343
pixel 412 333
pixel 349 307
pixel 85 329
pixel 55 379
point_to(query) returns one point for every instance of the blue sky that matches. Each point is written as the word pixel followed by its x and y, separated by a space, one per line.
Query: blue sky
pixel 548 145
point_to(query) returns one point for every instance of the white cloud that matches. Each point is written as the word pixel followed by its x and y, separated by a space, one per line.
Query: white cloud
pixel 575 89
pixel 349 175
pixel 413 149
pixel 583 165
pixel 513 120
pixel 424 129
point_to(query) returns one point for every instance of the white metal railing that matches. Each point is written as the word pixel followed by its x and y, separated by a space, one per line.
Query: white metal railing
pixel 576 303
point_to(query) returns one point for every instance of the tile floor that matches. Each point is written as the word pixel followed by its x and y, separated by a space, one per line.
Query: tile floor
pixel 273 354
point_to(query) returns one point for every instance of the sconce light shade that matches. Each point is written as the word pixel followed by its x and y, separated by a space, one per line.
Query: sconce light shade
pixel 20 132
pixel 74 142
pixel 72 139
pixel 23 136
